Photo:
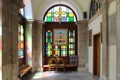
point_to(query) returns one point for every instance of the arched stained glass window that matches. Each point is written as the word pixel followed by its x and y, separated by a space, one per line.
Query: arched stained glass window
pixel 60 13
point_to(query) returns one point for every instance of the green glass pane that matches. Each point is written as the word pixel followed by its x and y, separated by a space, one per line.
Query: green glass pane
pixel 71 46
pixel 48 46
pixel 52 14
pixel 46 39
pixel 49 52
pixel 71 19
pixel 67 14
pixel 72 52
pixel 49 40
pixel 49 19
pixel 64 53
pixel 71 39
pixel 49 33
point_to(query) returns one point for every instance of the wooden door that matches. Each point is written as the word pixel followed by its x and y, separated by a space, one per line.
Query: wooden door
pixel 96 55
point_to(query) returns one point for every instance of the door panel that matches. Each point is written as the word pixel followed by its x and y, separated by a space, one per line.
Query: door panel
pixel 96 55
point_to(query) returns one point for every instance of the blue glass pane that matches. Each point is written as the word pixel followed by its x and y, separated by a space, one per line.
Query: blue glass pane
pixel 71 33
pixel 64 19
pixel 46 46
pixel 21 53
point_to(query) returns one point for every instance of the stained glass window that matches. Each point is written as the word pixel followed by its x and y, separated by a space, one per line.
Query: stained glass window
pixel 20 41
pixel 60 50
pixel 60 12
pixel 63 50
pixel 71 42
pixel 49 43
pixel 57 50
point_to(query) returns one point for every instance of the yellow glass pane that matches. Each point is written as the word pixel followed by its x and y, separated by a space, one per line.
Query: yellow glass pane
pixel 71 14
pixel 22 45
pixel 63 13
pixel 56 12
pixel 63 47
pixel 49 14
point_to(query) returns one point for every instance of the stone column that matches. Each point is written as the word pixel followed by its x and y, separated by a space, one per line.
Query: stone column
pixel 82 45
pixel 105 53
pixel 118 39
pixel 37 45
pixel 112 37
pixel 10 10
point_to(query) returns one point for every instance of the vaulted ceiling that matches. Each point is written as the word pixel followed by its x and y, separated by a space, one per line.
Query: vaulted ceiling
pixel 39 7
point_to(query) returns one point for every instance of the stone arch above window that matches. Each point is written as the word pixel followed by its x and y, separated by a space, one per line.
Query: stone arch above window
pixel 61 13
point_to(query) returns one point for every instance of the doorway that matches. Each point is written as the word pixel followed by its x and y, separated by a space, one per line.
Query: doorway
pixel 96 55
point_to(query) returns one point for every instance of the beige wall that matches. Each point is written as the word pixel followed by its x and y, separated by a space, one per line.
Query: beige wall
pixel 95 27
pixel 112 40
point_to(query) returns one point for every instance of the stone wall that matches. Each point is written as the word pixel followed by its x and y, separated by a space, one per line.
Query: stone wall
pixel 118 39
pixel 105 54
pixel 37 45
pixel 82 45
pixel 112 37
pixel 10 22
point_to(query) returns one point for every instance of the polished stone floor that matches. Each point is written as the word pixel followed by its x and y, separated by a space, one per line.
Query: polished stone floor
pixel 62 76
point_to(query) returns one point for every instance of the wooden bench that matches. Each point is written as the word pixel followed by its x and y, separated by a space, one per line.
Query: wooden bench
pixel 55 64
pixel 67 67
pixel 24 71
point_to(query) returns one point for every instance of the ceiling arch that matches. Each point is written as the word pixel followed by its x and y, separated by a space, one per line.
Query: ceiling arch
pixel 39 7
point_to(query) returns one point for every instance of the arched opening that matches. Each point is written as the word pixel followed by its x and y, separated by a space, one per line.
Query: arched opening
pixel 55 12
pixel 60 35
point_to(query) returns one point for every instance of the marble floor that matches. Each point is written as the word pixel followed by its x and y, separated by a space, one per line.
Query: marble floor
pixel 62 76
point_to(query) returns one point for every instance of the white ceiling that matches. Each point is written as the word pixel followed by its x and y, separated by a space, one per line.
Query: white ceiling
pixel 39 7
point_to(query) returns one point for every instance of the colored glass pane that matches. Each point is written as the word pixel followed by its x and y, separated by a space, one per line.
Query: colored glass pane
pixel 64 53
pixel 64 19
pixel 19 37
pixel 22 31
pixel 70 33
pixel 52 14
pixel 49 19
pixel 22 38
pixel 46 33
pixel 63 50
pixel 19 29
pixel 48 39
pixel 72 52
pixel 49 52
pixel 49 14
pixel 71 19
pixel 22 45
pixel 63 47
pixel 71 45
pixel 49 33
pixel 49 46
pixel 71 14
pixel 57 52
pixel 71 39
pixel 20 53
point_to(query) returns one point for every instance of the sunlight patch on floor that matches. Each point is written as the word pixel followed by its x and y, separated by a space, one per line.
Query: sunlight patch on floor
pixel 43 75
